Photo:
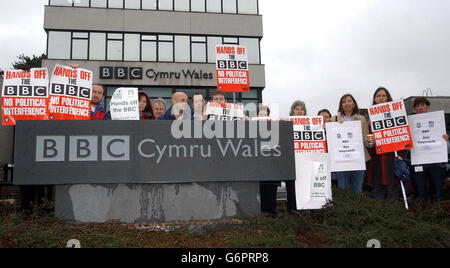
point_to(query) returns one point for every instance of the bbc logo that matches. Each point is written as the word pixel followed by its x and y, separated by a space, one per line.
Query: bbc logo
pixel 82 148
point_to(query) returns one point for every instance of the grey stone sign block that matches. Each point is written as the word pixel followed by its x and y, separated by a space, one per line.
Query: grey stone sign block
pixel 146 203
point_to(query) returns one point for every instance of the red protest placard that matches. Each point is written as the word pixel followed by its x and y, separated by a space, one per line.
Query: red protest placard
pixel 70 94
pixel 24 95
pixel 232 68
pixel 309 134
pixel 390 127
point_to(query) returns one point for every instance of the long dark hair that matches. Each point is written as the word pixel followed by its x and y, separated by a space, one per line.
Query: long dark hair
pixel 148 113
pixel 377 91
pixel 355 109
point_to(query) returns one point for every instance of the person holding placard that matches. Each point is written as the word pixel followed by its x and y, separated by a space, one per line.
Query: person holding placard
pixel 434 173
pixel 145 107
pixel 380 172
pixel 199 103
pixel 326 114
pixel 349 111
pixel 298 108
pixel 179 108
pixel 98 112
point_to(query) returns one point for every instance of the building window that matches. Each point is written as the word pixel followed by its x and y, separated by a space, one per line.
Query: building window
pixel 80 43
pixel 198 49
pixel 229 6
pixel 165 5
pixel 182 48
pixel 212 43
pixel 115 47
pixel 80 3
pixel 59 45
pixel 149 4
pixel 149 47
pixel 97 46
pixel 60 3
pixel 115 3
pixel 252 46
pixel 182 5
pixel 98 3
pixel 248 6
pixel 230 41
pixel 133 4
pixel 165 48
pixel 198 6
pixel 132 47
pixel 214 6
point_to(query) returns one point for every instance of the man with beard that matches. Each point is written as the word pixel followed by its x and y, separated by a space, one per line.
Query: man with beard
pixel 98 112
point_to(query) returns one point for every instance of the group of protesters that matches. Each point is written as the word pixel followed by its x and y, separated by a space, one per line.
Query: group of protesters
pixel 379 173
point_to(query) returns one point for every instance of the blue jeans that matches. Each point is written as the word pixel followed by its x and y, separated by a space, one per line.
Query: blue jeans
pixel 355 179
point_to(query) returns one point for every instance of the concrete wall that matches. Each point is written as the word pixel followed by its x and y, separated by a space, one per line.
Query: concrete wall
pixel 141 203
pixel 257 73
pixel 125 20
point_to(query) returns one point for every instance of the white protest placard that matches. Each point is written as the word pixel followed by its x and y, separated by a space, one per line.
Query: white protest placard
pixel 124 104
pixel 313 180
pixel 70 94
pixel 428 130
pixel 225 111
pixel 346 146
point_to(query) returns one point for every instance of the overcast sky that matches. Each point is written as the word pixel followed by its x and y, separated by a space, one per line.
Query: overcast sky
pixel 314 50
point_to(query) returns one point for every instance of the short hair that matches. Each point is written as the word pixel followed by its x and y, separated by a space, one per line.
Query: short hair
pixel 355 109
pixel 421 100
pixel 262 107
pixel 295 104
pixel 325 111
pixel 160 101
pixel 100 85
pixel 378 90
pixel 218 93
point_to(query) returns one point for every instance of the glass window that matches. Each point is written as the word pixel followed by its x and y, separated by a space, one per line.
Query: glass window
pixel 165 38
pixel 132 47
pixel 214 6
pixel 229 6
pixel 182 49
pixel 79 49
pixel 81 3
pixel 60 3
pixel 198 5
pixel 253 94
pixel 98 3
pixel 149 4
pixel 59 45
pixel 149 37
pixel 198 39
pixel 148 51
pixel 115 47
pixel 133 4
pixel 198 52
pixel 97 46
pixel 80 35
pixel 212 43
pixel 230 40
pixel 115 3
pixel 248 6
pixel 165 51
pixel 252 45
pixel 166 4
pixel 182 5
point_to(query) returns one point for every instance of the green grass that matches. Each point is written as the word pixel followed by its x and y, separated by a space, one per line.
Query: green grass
pixel 349 221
